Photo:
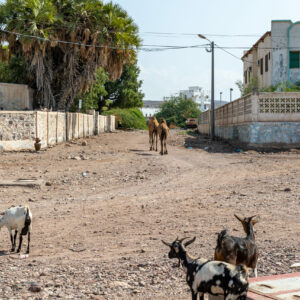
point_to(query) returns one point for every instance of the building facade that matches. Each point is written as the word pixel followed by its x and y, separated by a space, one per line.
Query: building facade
pixel 275 57
pixel 198 95
pixel 150 107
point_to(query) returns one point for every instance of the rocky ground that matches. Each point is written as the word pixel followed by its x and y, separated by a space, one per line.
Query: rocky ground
pixel 102 211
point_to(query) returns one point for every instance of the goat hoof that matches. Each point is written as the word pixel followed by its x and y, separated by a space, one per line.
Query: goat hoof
pixel 18 251
pixel 12 250
pixel 161 153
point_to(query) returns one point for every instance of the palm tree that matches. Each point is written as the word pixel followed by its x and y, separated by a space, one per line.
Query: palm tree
pixel 75 38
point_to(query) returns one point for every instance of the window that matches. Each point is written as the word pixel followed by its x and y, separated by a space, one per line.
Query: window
pixel 294 60
pixel 261 66
pixel 269 55
pixel 266 64
pixel 245 77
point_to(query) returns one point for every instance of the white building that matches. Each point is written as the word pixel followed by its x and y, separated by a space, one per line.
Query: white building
pixel 275 57
pixel 198 95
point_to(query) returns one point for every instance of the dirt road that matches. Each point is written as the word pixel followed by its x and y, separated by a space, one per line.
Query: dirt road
pixel 99 221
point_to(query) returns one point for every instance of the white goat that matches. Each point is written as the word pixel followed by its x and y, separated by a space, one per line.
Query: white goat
pixel 213 277
pixel 17 218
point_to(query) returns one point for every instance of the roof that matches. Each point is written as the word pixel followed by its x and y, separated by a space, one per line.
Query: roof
pixel 268 33
pixel 152 103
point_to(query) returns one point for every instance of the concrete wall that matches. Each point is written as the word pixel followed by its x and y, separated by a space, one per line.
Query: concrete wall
pixel 263 51
pixel 294 45
pixel 19 129
pixel 15 97
pixel 279 31
pixel 264 120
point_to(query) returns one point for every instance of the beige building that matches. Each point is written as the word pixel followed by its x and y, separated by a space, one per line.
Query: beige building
pixel 275 57
pixel 15 97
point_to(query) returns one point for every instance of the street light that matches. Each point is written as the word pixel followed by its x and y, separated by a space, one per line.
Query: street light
pixel 212 100
pixel 221 98
pixel 231 89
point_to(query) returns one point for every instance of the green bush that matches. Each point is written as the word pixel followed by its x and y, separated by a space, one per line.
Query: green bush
pixel 128 117
pixel 177 110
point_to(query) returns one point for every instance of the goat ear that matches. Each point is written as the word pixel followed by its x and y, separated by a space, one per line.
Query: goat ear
pixel 190 241
pixel 254 221
pixel 240 219
pixel 167 244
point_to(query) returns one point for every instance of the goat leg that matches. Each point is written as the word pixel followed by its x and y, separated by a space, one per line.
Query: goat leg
pixel 161 146
pixel 255 271
pixel 12 241
pixel 194 296
pixel 28 246
pixel 20 243
pixel 15 237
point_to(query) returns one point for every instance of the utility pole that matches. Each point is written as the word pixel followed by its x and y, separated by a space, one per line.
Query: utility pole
pixel 221 98
pixel 212 103
pixel 212 125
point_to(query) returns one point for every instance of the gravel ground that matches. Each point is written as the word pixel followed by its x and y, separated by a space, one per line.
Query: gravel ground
pixel 98 222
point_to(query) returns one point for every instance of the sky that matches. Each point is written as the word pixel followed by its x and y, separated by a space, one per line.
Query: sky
pixel 165 73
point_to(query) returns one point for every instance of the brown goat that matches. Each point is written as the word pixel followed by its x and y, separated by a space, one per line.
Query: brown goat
pixel 235 250
pixel 153 132
pixel 163 131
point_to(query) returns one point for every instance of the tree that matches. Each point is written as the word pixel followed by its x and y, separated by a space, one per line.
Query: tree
pixel 125 92
pixel 13 71
pixel 91 99
pixel 75 38
pixel 246 89
pixel 178 109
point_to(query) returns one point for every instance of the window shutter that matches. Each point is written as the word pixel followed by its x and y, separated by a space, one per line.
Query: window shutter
pixel 294 60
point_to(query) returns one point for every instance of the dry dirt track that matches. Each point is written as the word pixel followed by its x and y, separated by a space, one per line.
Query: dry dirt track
pixel 98 237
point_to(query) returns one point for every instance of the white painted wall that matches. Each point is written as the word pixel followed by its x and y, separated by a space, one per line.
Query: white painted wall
pixel 295 46
pixel 279 31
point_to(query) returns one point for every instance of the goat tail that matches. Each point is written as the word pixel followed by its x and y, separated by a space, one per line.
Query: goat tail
pixel 220 238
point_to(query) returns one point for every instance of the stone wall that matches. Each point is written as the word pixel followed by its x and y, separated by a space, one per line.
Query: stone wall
pixel 267 120
pixel 19 129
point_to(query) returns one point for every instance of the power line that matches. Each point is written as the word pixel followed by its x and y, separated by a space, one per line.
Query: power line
pixel 149 48
pixel 63 42
pixel 244 60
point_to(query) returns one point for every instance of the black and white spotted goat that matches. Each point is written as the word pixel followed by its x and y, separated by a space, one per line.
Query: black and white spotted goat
pixel 212 277
pixel 17 218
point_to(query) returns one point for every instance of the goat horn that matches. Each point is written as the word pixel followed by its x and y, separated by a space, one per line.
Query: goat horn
pixel 183 239
pixel 238 218
pixel 190 241
pixel 167 244
pixel 252 217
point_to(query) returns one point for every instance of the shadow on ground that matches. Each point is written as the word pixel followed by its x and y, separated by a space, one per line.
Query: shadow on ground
pixel 198 141
pixel 4 253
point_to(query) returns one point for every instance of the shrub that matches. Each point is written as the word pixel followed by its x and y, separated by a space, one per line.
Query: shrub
pixel 128 117
pixel 177 110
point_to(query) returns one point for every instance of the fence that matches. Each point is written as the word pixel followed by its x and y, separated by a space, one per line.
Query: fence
pixel 18 129
pixel 263 119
